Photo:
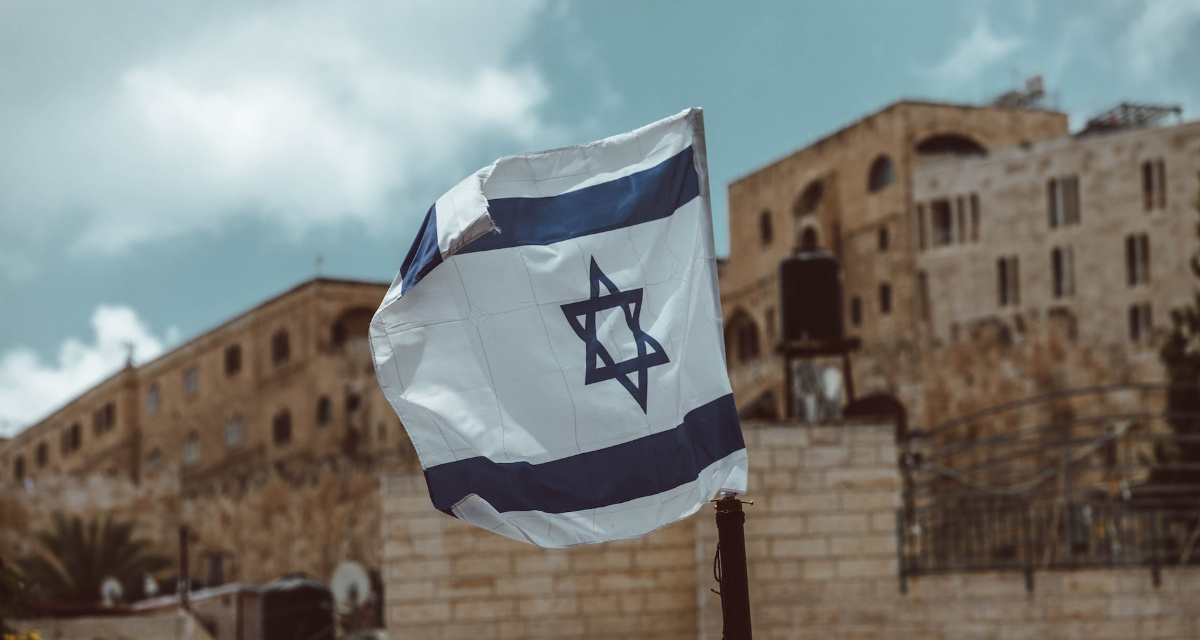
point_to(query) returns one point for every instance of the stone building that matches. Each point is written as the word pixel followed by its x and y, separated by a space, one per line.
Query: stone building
pixel 920 202
pixel 243 433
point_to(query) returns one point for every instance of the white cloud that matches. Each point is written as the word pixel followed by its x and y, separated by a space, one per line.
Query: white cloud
pixel 1160 32
pixel 301 113
pixel 31 388
pixel 971 55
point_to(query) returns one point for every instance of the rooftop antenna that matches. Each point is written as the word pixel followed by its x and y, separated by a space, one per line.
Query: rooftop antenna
pixel 317 263
pixel 130 348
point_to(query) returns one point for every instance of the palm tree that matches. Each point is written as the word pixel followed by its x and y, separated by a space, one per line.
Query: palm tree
pixel 14 592
pixel 76 557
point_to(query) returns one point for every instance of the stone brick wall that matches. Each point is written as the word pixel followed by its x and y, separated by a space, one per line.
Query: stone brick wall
pixel 821 547
pixel 446 579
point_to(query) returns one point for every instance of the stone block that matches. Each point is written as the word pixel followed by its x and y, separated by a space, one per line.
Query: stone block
pixel 838 523
pixel 866 568
pixel 863 545
pixel 800 547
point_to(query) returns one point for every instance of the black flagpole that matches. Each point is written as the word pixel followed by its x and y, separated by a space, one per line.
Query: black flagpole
pixel 735 589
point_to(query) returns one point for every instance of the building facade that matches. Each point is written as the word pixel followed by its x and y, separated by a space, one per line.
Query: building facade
pixel 923 204
pixel 242 434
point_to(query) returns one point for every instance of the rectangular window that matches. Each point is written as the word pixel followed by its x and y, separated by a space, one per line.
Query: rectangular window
pixel 885 238
pixel 1137 259
pixel 923 295
pixel 943 223
pixel 233 359
pixel 974 217
pixel 153 399
pixel 921 227
pixel 1139 322
pixel 962 219
pixel 885 298
pixel 1008 281
pixel 1154 184
pixel 191 380
pixel 1062 263
pixel 1064 201
pixel 234 432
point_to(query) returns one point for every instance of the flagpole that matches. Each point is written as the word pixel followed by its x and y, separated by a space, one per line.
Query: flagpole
pixel 735 589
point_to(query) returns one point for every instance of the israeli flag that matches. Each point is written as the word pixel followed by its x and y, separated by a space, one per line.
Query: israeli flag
pixel 553 342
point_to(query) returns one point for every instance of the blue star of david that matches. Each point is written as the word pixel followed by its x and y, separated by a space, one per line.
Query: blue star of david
pixel 649 352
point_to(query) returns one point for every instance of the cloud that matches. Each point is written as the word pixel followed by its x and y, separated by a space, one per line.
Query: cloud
pixel 1160 32
pixel 979 50
pixel 30 388
pixel 303 113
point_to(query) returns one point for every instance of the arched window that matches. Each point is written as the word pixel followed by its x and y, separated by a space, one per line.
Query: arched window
pixel 810 198
pixel 741 338
pixel 765 231
pixel 885 298
pixel 281 348
pixel 43 454
pixel 950 144
pixel 883 174
pixel 281 428
pixel 19 468
pixel 191 449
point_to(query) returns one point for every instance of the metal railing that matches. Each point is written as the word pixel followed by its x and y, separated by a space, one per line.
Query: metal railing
pixel 1088 478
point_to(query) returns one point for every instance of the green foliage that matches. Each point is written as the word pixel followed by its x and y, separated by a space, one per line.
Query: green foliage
pixel 1180 356
pixel 14 594
pixel 77 556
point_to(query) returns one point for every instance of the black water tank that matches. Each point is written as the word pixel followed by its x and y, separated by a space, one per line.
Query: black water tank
pixel 810 294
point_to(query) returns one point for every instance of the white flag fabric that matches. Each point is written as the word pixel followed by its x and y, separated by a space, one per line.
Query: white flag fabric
pixel 553 342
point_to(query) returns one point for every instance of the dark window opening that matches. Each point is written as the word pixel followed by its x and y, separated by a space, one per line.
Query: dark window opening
pixel 810 198
pixel 974 217
pixel 885 298
pixel 353 401
pixel 280 347
pixel 19 468
pixel 216 571
pixel 1139 322
pixel 338 334
pixel 76 438
pixel 1137 259
pixel 764 227
pixel 943 223
pixel 923 295
pixel 1062 265
pixel 882 175
pixel 962 219
pixel 324 411
pixel 921 224
pixel 950 144
pixel 885 239
pixel 1009 281
pixel 233 359
pixel 741 338
pixel 856 311
pixel 281 429
pixel 1154 184
pixel 1063 196
pixel 42 454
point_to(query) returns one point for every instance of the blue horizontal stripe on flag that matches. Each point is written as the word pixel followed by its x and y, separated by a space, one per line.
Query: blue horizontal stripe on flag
pixel 636 469
pixel 640 197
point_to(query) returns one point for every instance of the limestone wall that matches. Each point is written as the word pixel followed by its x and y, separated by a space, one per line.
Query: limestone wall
pixel 821 546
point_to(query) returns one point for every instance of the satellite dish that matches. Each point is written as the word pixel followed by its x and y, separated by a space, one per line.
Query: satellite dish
pixel 350 585
pixel 111 591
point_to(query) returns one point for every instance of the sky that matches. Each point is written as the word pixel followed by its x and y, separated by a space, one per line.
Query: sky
pixel 165 166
